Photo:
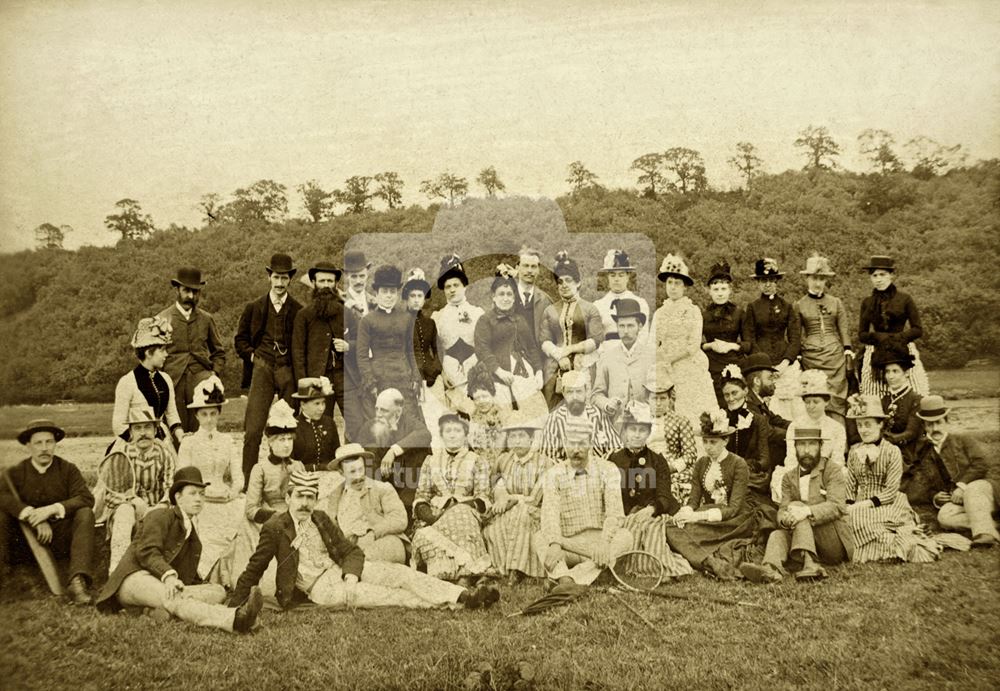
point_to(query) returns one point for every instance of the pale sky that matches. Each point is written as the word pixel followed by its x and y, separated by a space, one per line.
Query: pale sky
pixel 166 101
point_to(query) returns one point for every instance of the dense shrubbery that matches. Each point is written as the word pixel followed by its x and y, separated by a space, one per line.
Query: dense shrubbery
pixel 66 317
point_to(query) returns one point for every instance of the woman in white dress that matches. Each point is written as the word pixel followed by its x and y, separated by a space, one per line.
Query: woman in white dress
pixel 212 452
pixel 677 329
pixel 456 328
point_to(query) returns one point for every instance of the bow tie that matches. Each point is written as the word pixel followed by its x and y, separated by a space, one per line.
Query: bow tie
pixel 580 472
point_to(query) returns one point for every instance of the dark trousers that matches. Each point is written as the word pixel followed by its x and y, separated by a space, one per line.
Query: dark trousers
pixel 184 390
pixel 72 537
pixel 267 380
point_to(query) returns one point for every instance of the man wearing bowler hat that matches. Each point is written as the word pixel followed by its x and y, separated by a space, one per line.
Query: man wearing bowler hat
pixel 624 362
pixel 197 348
pixel 49 495
pixel 263 341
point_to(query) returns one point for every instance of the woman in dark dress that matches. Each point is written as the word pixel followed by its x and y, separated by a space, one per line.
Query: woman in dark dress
pixel 722 326
pixel 901 403
pixel 889 320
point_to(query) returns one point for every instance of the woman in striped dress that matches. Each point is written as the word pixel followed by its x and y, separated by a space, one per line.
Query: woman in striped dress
pixel 883 525
pixel 517 501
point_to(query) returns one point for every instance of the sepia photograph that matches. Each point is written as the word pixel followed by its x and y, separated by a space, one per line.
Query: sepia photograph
pixel 499 346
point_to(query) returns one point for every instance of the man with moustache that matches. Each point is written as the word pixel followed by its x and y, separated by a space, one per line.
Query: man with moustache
pixel 319 346
pixel 263 341
pixel 531 300
pixel 48 494
pixel 196 351
pixel 759 375
pixel 577 418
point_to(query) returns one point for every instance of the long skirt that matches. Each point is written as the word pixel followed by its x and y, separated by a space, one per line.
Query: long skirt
pixel 787 398
pixel 916 375
pixel 891 531
pixel 694 389
pixel 508 540
pixel 648 535
pixel 453 546
pixel 829 357
pixel 728 540
pixel 218 525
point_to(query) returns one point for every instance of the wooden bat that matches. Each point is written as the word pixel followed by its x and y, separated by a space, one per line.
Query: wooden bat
pixel 42 554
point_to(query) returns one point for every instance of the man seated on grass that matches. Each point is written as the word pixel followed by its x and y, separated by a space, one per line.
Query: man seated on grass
pixel 582 517
pixel 812 523
pixel 369 512
pixel 49 495
pixel 317 563
pixel 160 567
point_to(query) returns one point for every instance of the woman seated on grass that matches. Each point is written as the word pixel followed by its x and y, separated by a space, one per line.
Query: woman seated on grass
pixel 451 500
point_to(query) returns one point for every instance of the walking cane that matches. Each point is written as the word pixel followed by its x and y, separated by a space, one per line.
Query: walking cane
pixel 41 553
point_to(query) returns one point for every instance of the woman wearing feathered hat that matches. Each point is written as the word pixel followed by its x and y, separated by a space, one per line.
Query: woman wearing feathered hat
pixel 677 326
pixel 618 273
pixel 889 321
pixel 826 337
pixel 572 330
pixel 147 383
pixel 456 327
pixel 213 454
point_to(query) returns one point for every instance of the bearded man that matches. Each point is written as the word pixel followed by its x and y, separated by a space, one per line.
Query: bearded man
pixel 577 418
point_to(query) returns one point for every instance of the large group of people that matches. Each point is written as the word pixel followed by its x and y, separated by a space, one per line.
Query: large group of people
pixel 536 437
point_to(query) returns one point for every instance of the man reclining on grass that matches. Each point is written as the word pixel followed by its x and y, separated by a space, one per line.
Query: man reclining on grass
pixel 317 563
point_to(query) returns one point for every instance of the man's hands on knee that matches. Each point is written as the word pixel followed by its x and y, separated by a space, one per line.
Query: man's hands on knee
pixel 44 532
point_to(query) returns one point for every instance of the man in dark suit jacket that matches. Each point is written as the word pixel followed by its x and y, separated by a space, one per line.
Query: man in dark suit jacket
pixel 530 300
pixel 317 563
pixel 760 380
pixel 263 341
pixel 196 350
pixel 160 567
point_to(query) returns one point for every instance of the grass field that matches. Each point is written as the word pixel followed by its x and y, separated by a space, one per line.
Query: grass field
pixel 913 626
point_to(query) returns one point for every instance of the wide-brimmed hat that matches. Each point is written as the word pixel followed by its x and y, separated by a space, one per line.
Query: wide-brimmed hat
pixel 152 331
pixel 280 264
pixel 715 425
pixel 807 434
pixel 451 267
pixel 627 307
pixel 931 408
pixel 387 276
pixel 280 418
pixel 880 261
pixel 815 383
pixel 454 416
pixel 354 261
pixel 40 425
pixel 189 277
pixel 673 265
pixel 565 266
pixel 209 393
pixel 658 380
pixel 188 475
pixel 720 270
pixel 637 413
pixel 864 405
pixel 324 267
pixel 141 414
pixel 818 265
pixel 347 452
pixel 756 362
pixel 416 280
pixel 616 260
pixel 311 388
pixel 766 269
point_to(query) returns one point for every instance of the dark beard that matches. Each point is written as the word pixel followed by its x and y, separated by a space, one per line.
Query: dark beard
pixel 324 301
pixel 807 462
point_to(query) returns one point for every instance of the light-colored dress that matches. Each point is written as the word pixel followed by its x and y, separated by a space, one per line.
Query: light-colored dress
pixel 677 327
pixel 453 545
pixel 456 330
pixel 890 530
pixel 219 521
pixel 508 534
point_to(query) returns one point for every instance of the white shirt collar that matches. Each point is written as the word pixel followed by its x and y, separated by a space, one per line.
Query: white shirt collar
pixel 41 470
pixel 186 313
pixel 188 524
pixel 276 301
pixel 937 446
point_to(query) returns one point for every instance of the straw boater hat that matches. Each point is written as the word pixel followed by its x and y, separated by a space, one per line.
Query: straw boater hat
pixel 658 380
pixel 40 425
pixel 141 414
pixel 302 480
pixel 354 261
pixel 931 408
pixel 189 277
pixel 757 362
pixel 280 419
pixel 637 413
pixel 280 264
pixel 311 388
pixel 209 393
pixel 880 261
pixel 416 280
pixel 519 419
pixel 807 434
pixel 673 265
pixel 566 267
pixel 814 383
pixel 766 269
pixel 864 405
pixel 451 267
pixel 323 267
pixel 616 260
pixel 720 271
pixel 188 475
pixel 454 416
pixel 387 276
pixel 715 425
pixel 817 265
pixel 627 307
pixel 348 452
pixel 152 331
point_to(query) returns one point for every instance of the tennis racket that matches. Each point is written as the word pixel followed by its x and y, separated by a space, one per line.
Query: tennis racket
pixel 638 571
pixel 117 476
